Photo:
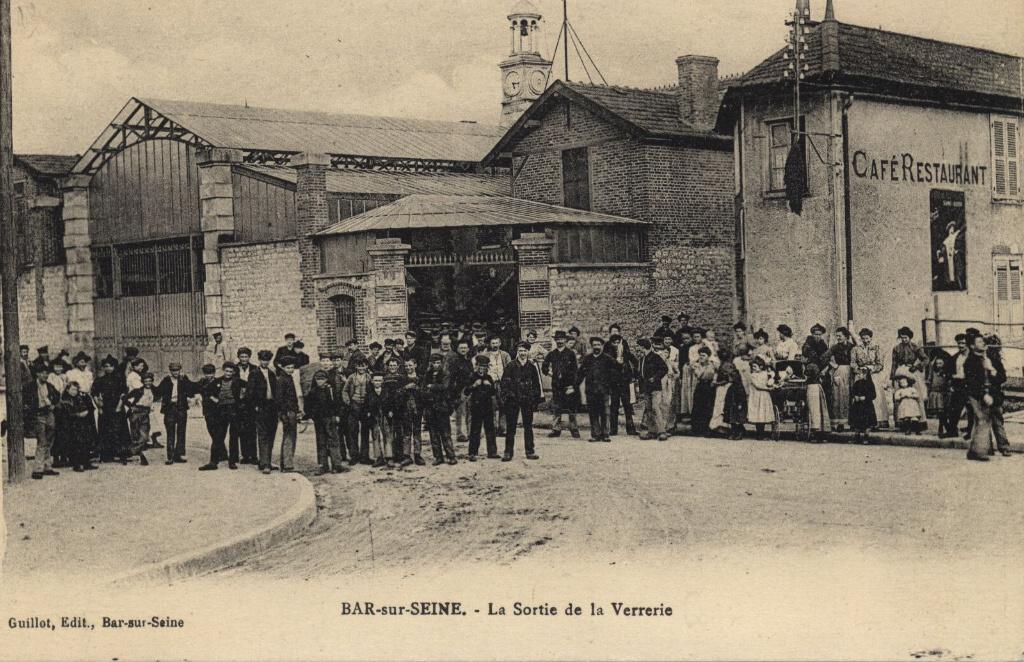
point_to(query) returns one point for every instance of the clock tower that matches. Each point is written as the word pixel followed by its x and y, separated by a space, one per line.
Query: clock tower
pixel 524 73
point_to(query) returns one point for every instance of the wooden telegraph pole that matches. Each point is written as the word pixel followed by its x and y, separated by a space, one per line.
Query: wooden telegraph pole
pixel 8 262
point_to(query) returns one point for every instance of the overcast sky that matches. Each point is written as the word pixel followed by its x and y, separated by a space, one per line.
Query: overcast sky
pixel 76 62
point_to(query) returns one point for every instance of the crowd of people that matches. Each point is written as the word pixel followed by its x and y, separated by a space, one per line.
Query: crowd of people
pixel 373 408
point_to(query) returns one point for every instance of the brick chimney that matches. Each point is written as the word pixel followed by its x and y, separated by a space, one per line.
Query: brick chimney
pixel 698 90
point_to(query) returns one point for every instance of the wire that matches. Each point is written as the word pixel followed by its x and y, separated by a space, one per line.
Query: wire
pixel 580 56
pixel 584 47
pixel 553 59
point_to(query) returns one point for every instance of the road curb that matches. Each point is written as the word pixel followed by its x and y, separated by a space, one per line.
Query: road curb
pixel 221 554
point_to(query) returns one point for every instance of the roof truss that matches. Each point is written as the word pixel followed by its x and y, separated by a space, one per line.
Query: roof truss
pixel 135 123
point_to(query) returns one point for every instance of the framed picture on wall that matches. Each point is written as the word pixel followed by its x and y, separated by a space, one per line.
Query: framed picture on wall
pixel 948 241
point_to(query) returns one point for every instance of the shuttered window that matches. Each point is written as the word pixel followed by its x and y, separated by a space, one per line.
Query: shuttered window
pixel 1008 295
pixel 344 318
pixel 1006 158
pixel 780 137
pixel 576 178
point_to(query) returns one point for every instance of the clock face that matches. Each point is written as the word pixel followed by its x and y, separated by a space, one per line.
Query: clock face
pixel 513 84
pixel 537 81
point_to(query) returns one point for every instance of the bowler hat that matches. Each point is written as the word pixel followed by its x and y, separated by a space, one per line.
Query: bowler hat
pixel 905 331
pixel 265 355
pixel 174 365
pixel 243 350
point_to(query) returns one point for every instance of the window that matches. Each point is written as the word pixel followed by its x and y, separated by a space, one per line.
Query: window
pixel 576 178
pixel 598 244
pixel 175 266
pixel 344 319
pixel 780 136
pixel 19 188
pixel 138 273
pixel 166 267
pixel 341 208
pixel 103 272
pixel 1006 158
pixel 1008 296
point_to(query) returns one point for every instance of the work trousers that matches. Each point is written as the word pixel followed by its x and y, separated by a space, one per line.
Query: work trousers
pixel 218 424
pixel 359 426
pixel 482 416
pixel 244 434
pixel 440 428
pixel 328 446
pixel 652 417
pixel 175 421
pixel 412 433
pixel 955 407
pixel 378 433
pixel 982 430
pixel 597 410
pixel 46 432
pixel 512 414
pixel 564 404
pixel 266 431
pixel 138 420
pixel 619 397
pixel 341 430
pixel 461 417
pixel 397 440
pixel 289 433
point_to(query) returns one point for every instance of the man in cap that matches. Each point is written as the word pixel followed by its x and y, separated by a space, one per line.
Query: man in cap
pixel 413 350
pixel 520 393
pixel 481 393
pixel 217 352
pixel 40 402
pixel 499 360
pixel 287 349
pixel 650 371
pixel 174 391
pixel 289 410
pixel 42 356
pixel 597 370
pixel 622 380
pixel 560 365
pixel 243 427
pixel 261 392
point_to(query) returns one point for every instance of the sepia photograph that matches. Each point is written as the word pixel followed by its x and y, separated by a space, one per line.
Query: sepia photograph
pixel 511 329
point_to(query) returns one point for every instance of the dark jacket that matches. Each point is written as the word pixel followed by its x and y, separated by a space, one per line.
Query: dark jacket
pixel 816 351
pixel 650 372
pixel 287 398
pixel 481 393
pixel 435 390
pixel 977 380
pixel 109 389
pixel 394 396
pixel 186 389
pixel 599 373
pixel 520 385
pixel 623 373
pixel 459 373
pixel 560 365
pixel 282 352
pixel 422 355
pixel 256 388
pixel 374 410
pixel 321 403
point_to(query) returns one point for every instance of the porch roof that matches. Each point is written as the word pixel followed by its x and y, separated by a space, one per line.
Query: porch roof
pixel 448 211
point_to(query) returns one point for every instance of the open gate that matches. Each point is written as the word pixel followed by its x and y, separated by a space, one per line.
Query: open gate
pixel 150 296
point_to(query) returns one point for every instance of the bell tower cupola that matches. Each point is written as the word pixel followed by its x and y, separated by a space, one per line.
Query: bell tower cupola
pixel 524 73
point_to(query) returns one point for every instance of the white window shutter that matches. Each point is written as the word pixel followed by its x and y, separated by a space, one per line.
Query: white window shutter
pixel 1002 282
pixel 1006 158
pixel 1012 159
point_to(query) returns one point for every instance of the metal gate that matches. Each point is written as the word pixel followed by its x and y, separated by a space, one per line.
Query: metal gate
pixel 150 296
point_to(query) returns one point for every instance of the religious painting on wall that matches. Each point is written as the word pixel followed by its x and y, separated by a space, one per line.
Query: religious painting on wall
pixel 949 241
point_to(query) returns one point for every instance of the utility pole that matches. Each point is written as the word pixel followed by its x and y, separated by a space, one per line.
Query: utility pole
pixel 9 268
pixel 565 31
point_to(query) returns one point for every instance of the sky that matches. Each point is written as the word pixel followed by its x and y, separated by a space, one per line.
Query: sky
pixel 77 62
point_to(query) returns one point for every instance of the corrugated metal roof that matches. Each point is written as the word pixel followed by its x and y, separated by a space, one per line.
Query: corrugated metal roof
pixel 398 183
pixel 270 129
pixel 446 211
pixel 54 165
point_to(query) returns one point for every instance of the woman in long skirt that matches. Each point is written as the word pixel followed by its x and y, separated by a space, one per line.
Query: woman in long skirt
pixel 868 356
pixel 723 380
pixel 839 361
pixel 817 406
pixel 910 359
pixel 703 392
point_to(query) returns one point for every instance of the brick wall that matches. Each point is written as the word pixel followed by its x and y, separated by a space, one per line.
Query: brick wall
pixel 53 330
pixel 311 215
pixel 360 288
pixel 260 284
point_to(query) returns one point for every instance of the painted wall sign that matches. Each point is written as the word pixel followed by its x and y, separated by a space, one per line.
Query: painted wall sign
pixel 907 168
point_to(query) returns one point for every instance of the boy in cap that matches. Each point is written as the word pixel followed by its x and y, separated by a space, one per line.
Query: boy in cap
pixel 243 430
pixel 481 394
pixel 289 410
pixel 221 398
pixel 359 420
pixel 139 403
pixel 560 365
pixel 376 414
pixel 413 424
pixel 520 392
pixel 287 349
pixel 436 393
pixel 336 378
pixel 323 411
pixel 174 392
pixel 41 401
pixel 394 409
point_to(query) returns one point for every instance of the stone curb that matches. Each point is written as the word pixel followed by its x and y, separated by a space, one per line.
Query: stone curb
pixel 221 554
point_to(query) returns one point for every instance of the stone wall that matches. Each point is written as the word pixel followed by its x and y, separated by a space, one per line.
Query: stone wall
pixel 591 297
pixel 53 330
pixel 261 297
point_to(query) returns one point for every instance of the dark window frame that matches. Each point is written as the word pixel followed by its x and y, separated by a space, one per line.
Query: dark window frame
pixel 576 188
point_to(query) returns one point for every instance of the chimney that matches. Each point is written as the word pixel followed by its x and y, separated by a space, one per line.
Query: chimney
pixel 829 40
pixel 698 91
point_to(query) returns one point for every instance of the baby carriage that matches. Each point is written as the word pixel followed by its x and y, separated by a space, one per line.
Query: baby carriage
pixel 789 396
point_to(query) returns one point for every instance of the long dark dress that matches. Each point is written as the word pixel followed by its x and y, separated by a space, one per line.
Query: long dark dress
pixel 862 405
pixel 736 401
pixel 79 429
pixel 703 398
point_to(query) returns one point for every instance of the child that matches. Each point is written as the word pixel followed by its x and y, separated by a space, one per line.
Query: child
pixel 818 420
pixel 481 394
pixel 908 406
pixel 862 406
pixel 438 413
pixel 289 411
pixel 322 410
pixel 413 423
pixel 938 387
pixel 760 410
pixel 736 403
pixel 376 413
pixel 139 402
pixel 77 411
